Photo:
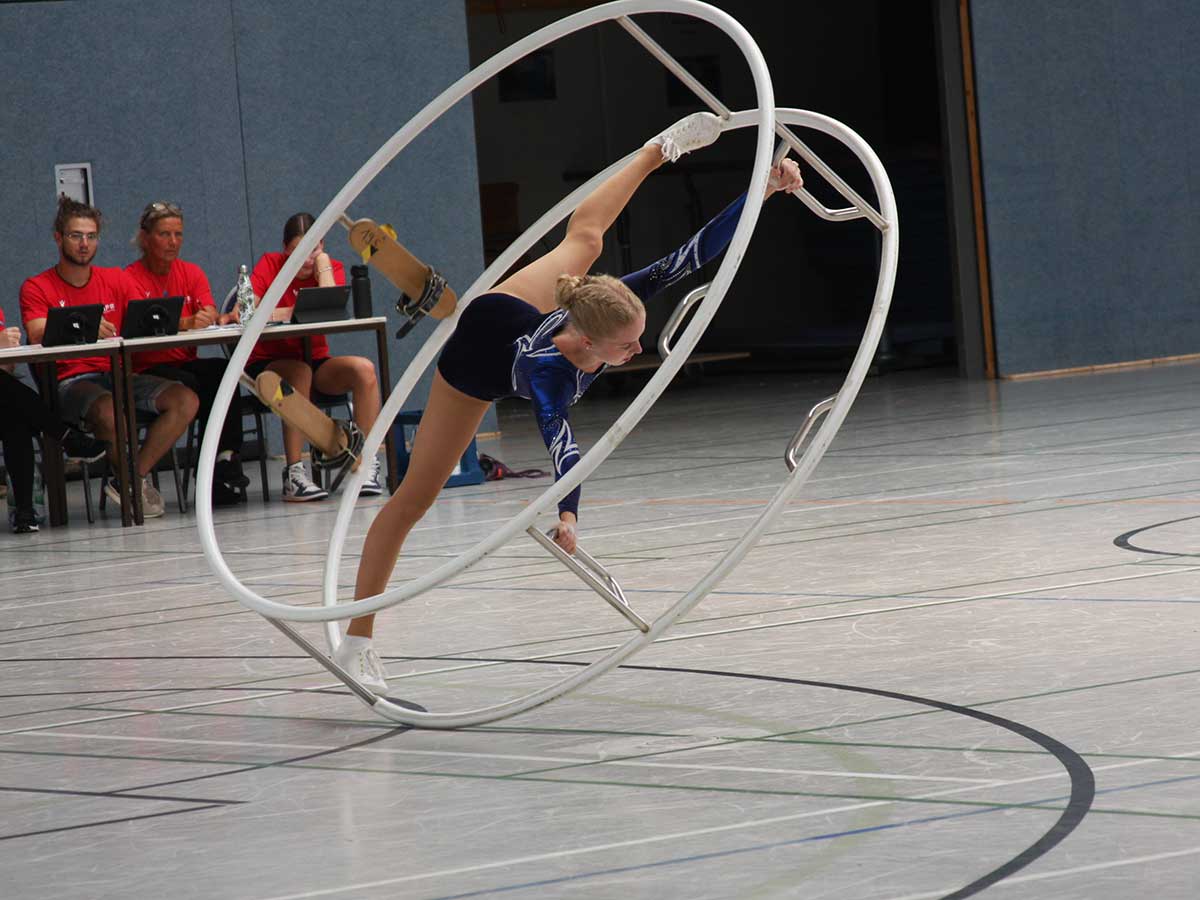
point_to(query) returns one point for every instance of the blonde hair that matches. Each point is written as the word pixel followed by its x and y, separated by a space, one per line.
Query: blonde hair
pixel 152 213
pixel 598 305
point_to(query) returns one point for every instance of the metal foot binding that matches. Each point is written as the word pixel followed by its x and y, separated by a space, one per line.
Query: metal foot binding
pixel 417 309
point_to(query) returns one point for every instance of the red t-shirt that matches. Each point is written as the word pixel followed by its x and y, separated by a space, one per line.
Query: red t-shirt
pixel 264 273
pixel 186 280
pixel 112 287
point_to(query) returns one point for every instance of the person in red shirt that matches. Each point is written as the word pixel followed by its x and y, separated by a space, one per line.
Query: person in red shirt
pixel 22 415
pixel 161 273
pixel 328 374
pixel 85 385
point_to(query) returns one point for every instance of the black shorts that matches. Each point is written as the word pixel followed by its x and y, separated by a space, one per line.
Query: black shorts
pixel 478 358
pixel 259 366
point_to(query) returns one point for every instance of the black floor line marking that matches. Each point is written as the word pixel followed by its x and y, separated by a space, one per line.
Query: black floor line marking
pixel 1083 781
pixel 391 732
pixel 122 821
pixel 1125 541
pixel 122 795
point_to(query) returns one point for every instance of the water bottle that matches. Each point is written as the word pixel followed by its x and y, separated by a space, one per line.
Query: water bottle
pixel 246 301
pixel 360 289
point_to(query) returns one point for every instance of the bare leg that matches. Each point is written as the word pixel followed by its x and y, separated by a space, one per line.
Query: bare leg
pixel 298 374
pixel 177 406
pixel 584 241
pixel 448 424
pixel 100 420
pixel 355 374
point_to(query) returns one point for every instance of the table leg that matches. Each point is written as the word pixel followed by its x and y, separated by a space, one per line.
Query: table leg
pixel 52 455
pixel 385 387
pixel 125 420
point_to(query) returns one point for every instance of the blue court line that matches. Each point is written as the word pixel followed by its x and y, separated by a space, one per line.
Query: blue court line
pixel 718 854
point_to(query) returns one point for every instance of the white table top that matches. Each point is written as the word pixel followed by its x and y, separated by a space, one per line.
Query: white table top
pixel 212 334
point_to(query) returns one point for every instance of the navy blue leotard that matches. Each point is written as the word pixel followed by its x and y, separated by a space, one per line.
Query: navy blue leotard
pixel 504 347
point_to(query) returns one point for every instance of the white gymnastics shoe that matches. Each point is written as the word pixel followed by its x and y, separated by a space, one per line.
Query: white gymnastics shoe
pixel 688 134
pixel 358 657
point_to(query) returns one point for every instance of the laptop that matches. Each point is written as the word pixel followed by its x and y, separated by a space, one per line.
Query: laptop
pixel 321 304
pixel 72 324
pixel 154 317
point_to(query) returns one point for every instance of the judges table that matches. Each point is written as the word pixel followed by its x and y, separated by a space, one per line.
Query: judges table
pixel 41 360
pixel 230 334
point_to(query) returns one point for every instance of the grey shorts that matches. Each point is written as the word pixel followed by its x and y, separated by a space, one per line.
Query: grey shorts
pixel 76 395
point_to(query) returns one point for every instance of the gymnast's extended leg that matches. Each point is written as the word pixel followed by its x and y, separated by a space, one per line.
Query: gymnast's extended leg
pixel 448 425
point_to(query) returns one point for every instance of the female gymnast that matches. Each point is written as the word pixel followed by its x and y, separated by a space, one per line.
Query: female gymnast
pixel 545 334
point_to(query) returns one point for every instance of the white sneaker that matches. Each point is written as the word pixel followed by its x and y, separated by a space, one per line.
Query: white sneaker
pixel 358 657
pixel 688 134
pixel 152 501
pixel 298 487
pixel 372 487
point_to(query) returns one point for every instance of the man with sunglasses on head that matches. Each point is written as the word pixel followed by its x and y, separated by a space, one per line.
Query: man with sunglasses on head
pixel 85 384
pixel 161 273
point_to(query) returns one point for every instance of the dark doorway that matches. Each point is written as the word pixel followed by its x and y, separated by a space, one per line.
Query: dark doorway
pixel 802 294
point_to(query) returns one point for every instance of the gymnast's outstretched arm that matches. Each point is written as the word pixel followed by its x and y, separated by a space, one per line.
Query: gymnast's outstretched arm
pixel 708 243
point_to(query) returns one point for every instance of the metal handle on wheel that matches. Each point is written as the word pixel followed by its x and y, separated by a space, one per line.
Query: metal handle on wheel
pixel 791 455
pixel 690 299
pixel 594 575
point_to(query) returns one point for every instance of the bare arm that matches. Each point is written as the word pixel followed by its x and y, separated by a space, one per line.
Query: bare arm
pixel 35 328
pixel 9 337
pixel 323 270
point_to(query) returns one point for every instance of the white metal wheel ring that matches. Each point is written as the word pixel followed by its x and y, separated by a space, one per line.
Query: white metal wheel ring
pixel 353 188
pixel 792 484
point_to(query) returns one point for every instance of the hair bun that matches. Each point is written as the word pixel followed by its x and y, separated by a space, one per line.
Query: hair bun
pixel 565 288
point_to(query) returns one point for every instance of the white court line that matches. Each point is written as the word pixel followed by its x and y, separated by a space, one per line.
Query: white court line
pixel 600 533
pixel 133 713
pixel 597 848
pixel 1178 570
pixel 89 598
pixel 999 460
pixel 524 758
pixel 806 506
pixel 1058 873
pixel 699 832
pixel 664 640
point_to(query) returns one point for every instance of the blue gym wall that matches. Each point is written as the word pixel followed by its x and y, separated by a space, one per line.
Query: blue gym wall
pixel 243 112
pixel 1089 139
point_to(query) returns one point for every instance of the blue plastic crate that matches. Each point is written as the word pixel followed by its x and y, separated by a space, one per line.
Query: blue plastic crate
pixel 405 427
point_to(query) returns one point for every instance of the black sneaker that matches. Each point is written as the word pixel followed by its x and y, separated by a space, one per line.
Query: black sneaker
pixel 226 495
pixel 83 447
pixel 25 522
pixel 230 472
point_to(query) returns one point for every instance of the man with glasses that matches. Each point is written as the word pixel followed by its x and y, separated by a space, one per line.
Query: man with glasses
pixel 161 273
pixel 85 384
